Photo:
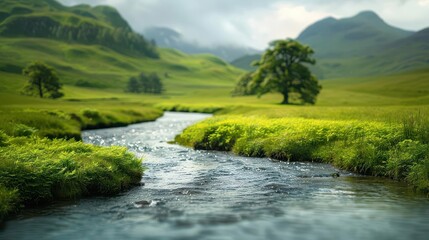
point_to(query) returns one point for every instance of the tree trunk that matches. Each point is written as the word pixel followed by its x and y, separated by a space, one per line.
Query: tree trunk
pixel 285 98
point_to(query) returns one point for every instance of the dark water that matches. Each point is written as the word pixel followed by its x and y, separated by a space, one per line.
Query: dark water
pixel 213 195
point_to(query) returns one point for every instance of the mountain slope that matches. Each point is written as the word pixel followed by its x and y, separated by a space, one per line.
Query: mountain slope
pixel 169 38
pixel 92 63
pixel 353 36
pixel 363 45
pixel 82 24
pixel 245 62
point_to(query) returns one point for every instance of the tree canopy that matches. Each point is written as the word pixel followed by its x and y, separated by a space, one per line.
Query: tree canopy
pixel 283 68
pixel 145 84
pixel 42 81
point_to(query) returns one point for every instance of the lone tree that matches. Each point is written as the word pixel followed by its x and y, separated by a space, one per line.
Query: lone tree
pixel 43 81
pixel 282 69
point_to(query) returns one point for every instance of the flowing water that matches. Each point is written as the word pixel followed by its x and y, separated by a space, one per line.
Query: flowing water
pixel 190 194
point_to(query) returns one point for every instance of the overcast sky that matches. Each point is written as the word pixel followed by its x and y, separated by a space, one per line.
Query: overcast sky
pixel 256 22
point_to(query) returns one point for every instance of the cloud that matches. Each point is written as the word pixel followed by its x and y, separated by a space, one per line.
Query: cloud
pixel 255 22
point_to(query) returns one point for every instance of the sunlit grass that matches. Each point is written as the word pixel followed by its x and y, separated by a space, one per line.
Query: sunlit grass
pixel 35 171
pixel 397 148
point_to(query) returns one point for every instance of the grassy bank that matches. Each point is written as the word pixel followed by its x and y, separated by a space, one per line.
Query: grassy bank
pixel 36 171
pixel 369 144
pixel 41 161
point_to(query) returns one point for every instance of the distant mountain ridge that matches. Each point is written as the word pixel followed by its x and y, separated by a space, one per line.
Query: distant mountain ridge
pixel 82 24
pixel 363 45
pixel 350 36
pixel 169 38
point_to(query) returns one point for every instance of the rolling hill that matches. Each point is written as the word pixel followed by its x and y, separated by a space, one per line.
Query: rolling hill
pixel 95 48
pixel 82 24
pixel 363 45
pixel 169 38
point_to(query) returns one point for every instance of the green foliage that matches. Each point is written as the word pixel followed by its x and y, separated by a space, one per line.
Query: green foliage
pixel 3 139
pixel 42 170
pixel 23 130
pixel 367 147
pixel 404 156
pixel 145 84
pixel 282 69
pixel 43 81
pixel 243 87
pixel 8 201
pixel 91 114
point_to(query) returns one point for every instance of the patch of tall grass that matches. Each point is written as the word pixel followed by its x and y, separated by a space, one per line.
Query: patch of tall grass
pixel 395 150
pixel 36 171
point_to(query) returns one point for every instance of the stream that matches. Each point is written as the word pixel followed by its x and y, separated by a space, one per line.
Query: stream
pixel 189 194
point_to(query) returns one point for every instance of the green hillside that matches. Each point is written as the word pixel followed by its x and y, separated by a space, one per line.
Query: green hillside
pixel 94 48
pixel 94 66
pixel 82 24
pixel 245 62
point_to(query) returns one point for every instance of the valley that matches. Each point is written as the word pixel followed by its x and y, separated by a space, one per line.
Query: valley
pixel 371 118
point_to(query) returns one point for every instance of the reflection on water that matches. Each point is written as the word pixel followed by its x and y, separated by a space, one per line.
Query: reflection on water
pixel 191 194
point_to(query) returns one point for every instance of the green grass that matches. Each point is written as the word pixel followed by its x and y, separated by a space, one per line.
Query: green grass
pixel 38 165
pixel 381 148
pixel 36 171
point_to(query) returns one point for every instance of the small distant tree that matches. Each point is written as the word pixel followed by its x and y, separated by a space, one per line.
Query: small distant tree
pixel 133 85
pixel 283 68
pixel 156 85
pixel 42 81
pixel 145 84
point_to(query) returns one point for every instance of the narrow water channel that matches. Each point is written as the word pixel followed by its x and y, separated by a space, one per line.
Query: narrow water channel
pixel 190 194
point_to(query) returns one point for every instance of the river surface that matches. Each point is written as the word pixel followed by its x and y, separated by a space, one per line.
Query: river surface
pixel 190 194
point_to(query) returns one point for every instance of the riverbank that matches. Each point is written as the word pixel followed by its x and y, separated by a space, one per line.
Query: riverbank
pixel 189 193
pixel 385 142
pixel 42 159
